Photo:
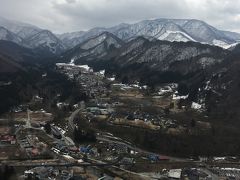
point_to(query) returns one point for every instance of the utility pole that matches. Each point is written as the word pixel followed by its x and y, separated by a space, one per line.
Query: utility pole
pixel 28 123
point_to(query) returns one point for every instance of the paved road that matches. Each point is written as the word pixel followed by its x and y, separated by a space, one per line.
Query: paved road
pixel 36 163
pixel 71 125
pixel 92 162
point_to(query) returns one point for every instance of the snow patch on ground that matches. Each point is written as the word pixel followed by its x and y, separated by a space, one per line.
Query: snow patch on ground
pixel 179 36
pixel 102 72
pixel 175 173
pixel 196 106
pixel 72 61
pixel 111 79
pixel 176 97
pixel 85 67
pixel 165 90
pixel 223 44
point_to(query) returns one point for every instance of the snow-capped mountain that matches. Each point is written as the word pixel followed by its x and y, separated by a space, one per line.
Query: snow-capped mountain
pixel 232 35
pixel 9 36
pixel 165 29
pixel 71 39
pixel 23 30
pixel 97 46
pixel 164 56
pixel 30 36
pixel 26 32
pixel 45 40
pixel 105 37
pixel 75 38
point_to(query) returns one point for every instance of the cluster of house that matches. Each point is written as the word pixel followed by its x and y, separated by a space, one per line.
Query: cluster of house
pixel 91 82
pixel 99 110
pixel 93 85
pixel 63 173
pixel 185 174
pixel 110 151
pixel 8 139
pixel 72 70
pixel 47 173
pixel 125 87
pixel 169 88
pixel 32 146
pixel 226 173
pixel 63 149
pixel 205 173
pixel 144 117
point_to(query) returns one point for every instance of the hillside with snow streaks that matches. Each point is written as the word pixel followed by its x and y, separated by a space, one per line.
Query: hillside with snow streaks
pixel 98 46
pixel 45 40
pixel 30 36
pixel 9 36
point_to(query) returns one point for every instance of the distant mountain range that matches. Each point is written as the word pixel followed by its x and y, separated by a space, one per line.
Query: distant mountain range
pixel 30 36
pixel 162 29
pixel 9 36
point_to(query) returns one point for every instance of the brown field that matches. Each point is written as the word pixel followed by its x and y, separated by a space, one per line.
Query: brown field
pixel 137 123
pixel 11 152
pixel 36 116
pixel 4 130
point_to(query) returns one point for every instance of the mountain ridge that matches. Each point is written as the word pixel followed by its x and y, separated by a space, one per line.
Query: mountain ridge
pixel 27 35
pixel 162 29
pixel 141 56
pixel 97 46
pixel 168 29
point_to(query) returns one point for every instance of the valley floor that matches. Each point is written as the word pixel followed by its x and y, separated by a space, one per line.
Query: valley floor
pixel 123 131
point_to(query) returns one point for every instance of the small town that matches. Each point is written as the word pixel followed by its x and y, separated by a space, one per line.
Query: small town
pixel 92 141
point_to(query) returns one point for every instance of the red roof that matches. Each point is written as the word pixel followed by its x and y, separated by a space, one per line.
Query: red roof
pixel 163 157
pixel 7 138
pixel 75 149
pixel 35 151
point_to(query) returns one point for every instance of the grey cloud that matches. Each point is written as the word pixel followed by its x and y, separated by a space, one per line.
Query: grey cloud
pixel 71 1
pixel 75 15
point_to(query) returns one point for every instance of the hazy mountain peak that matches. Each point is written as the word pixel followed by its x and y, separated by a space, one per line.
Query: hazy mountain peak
pixel 23 30
pixel 9 36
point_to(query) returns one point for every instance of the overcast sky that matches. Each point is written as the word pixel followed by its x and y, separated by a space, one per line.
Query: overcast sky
pixel 74 15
